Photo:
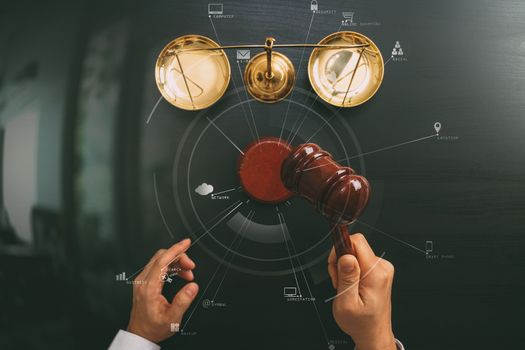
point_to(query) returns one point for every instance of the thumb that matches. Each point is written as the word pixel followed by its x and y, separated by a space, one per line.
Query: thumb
pixel 348 273
pixel 183 299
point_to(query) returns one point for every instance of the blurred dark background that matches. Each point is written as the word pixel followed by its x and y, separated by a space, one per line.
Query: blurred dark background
pixel 76 86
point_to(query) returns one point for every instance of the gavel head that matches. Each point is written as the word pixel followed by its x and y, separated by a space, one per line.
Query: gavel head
pixel 336 191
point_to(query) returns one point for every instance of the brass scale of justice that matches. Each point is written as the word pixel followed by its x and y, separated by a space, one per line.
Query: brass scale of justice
pixel 345 69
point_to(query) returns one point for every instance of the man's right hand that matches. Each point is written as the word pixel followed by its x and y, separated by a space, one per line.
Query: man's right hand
pixel 362 308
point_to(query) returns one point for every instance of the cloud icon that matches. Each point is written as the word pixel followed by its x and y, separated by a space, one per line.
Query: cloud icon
pixel 204 189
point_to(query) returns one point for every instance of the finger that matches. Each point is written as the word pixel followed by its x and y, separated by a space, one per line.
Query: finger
pixel 182 267
pixel 147 267
pixel 364 254
pixel 185 262
pixel 332 271
pixel 332 268
pixel 348 273
pixel 332 258
pixel 186 275
pixel 173 253
pixel 182 300
pixel 384 275
pixel 160 266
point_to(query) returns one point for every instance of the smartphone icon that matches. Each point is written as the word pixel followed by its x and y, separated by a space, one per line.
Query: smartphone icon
pixel 429 246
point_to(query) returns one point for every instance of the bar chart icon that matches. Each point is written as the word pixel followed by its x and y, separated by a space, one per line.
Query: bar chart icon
pixel 121 276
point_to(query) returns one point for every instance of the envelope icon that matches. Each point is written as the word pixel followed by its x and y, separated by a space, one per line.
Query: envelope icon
pixel 243 54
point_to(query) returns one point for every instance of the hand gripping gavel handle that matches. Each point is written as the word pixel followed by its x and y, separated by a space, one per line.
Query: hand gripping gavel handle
pixel 342 242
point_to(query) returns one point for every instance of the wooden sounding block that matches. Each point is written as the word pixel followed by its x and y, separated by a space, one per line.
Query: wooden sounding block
pixel 271 171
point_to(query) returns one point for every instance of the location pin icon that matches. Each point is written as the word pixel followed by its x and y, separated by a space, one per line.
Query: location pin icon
pixel 437 126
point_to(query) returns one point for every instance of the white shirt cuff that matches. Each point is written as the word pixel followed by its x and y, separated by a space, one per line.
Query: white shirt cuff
pixel 399 346
pixel 129 341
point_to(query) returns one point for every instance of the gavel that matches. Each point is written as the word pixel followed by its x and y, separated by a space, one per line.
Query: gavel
pixel 271 172
pixel 336 191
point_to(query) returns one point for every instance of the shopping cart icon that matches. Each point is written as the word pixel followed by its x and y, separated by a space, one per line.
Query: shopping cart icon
pixel 348 17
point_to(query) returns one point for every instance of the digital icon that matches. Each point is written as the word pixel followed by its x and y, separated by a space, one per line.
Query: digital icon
pixel 204 189
pixel 215 9
pixel 164 277
pixel 243 54
pixel 121 276
pixel 174 271
pixel 348 18
pixel 290 291
pixel 206 303
pixel 398 50
pixel 429 246
pixel 174 327
pixel 331 347
pixel 314 5
pixel 437 126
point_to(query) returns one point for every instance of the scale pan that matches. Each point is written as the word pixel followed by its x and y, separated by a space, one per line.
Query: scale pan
pixel 346 77
pixel 190 74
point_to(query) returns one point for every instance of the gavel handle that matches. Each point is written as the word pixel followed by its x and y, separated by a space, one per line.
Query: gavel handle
pixel 342 242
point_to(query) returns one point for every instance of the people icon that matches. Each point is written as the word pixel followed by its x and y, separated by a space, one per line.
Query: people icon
pixel 397 50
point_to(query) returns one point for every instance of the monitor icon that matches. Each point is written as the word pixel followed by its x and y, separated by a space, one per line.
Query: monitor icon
pixel 215 9
pixel 290 291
